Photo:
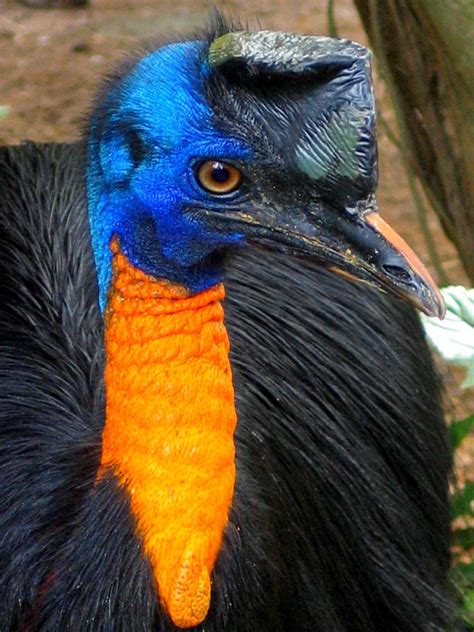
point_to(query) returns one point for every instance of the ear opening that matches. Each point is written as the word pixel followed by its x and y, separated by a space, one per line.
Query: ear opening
pixel 121 150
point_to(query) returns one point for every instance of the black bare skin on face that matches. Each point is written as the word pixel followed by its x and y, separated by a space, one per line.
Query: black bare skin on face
pixel 283 114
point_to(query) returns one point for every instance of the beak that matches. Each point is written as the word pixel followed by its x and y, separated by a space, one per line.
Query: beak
pixel 356 243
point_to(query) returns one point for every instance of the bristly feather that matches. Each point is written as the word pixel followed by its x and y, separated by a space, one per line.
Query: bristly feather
pixel 340 520
pixel 218 24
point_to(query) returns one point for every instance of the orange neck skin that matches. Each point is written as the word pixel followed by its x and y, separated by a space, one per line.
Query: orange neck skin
pixel 170 420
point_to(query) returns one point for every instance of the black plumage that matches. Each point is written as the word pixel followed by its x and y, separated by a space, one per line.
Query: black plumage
pixel 340 519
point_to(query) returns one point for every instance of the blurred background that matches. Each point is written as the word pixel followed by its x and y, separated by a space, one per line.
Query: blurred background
pixel 52 59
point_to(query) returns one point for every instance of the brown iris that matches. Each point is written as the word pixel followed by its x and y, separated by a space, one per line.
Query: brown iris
pixel 218 177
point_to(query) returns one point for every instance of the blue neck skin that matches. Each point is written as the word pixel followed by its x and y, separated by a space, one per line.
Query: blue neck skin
pixel 145 140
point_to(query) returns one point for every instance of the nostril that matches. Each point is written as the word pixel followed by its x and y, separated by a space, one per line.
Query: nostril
pixel 397 272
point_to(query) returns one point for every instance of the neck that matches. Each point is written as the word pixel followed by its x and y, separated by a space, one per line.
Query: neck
pixel 169 427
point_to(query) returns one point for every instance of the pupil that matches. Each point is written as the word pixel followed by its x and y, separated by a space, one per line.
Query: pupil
pixel 220 173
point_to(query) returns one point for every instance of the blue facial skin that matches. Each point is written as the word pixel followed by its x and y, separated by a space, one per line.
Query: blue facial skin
pixel 141 181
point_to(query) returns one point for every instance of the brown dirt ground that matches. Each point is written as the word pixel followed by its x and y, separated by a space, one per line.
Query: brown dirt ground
pixel 52 60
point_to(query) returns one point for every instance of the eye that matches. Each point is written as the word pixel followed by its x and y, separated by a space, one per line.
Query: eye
pixel 218 177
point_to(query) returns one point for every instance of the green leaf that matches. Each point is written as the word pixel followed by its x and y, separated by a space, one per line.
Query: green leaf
pixel 468 607
pixel 463 576
pixel 4 111
pixel 469 601
pixel 461 501
pixel 464 537
pixel 460 429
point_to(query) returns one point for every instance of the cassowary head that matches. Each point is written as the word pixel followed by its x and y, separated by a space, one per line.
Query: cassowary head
pixel 246 138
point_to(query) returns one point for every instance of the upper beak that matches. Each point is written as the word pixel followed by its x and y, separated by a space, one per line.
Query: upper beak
pixel 359 245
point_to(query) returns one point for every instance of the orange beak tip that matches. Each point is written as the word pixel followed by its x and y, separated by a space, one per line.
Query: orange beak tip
pixel 429 298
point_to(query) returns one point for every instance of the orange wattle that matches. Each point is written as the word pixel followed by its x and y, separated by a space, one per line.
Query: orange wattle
pixel 169 427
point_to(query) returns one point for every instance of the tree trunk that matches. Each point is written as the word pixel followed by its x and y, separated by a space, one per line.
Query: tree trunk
pixel 426 52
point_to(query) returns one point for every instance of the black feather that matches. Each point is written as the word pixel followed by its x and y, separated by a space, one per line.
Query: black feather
pixel 340 520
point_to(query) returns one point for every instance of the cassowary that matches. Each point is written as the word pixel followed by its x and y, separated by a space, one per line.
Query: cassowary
pixel 132 498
